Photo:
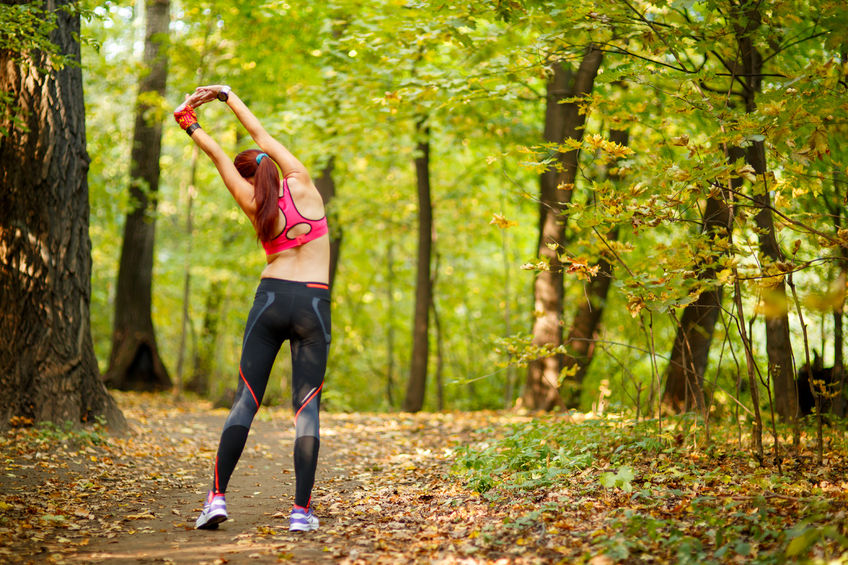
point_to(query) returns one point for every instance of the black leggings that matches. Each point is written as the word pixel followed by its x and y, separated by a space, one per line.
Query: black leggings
pixel 282 310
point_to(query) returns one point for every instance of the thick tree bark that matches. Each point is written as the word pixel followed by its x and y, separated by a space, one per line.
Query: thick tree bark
pixel 562 121
pixel 587 318
pixel 416 386
pixel 326 185
pixel 135 363
pixel 48 371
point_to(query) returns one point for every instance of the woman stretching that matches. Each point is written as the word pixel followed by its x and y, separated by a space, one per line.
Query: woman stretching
pixel 292 301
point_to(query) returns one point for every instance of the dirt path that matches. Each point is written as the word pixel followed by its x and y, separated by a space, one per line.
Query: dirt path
pixel 383 493
pixel 386 493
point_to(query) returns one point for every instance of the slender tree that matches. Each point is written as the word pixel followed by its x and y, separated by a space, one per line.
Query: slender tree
pixel 747 19
pixel 587 317
pixel 685 372
pixel 326 185
pixel 207 342
pixel 416 385
pixel 563 120
pixel 135 362
pixel 48 370
pixel 684 375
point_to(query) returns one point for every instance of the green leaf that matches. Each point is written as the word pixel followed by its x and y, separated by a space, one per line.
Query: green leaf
pixel 803 542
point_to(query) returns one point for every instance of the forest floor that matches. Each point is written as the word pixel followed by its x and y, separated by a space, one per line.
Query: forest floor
pixel 385 493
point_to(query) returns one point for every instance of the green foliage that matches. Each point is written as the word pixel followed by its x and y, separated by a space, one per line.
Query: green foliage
pixel 26 27
pixel 620 479
pixel 547 451
pixel 804 536
pixel 25 31
pixel 51 434
pixel 349 85
pixel 658 496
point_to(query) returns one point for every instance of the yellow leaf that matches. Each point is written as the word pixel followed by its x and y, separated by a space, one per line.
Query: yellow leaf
pixel 798 190
pixel 679 174
pixel 595 141
pixel 501 221
pixel 818 143
pixel 635 304
pixel 780 201
pixel 725 276
pixel 748 173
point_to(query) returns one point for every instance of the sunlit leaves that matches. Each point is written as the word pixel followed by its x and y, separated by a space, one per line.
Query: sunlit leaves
pixel 26 27
pixel 502 222
pixel 345 79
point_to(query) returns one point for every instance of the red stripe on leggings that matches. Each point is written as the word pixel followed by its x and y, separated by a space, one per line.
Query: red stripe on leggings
pixel 308 400
pixel 248 388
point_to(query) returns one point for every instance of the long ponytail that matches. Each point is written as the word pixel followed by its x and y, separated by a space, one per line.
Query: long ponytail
pixel 266 189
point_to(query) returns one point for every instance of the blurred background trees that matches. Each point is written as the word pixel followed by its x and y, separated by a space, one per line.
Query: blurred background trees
pixel 635 204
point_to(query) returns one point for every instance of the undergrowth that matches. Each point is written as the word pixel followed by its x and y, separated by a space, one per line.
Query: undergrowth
pixel 637 491
pixel 50 434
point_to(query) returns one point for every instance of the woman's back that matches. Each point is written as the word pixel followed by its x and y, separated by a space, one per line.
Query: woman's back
pixel 309 261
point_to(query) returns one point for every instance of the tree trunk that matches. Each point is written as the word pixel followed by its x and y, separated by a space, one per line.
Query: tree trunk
pixel 326 185
pixel 837 212
pixel 840 187
pixel 839 380
pixel 440 359
pixel 581 345
pixel 189 235
pixel 778 342
pixel 204 359
pixel 437 328
pixel 47 365
pixel 390 323
pixel 414 400
pixel 684 376
pixel 511 373
pixel 135 363
pixel 562 121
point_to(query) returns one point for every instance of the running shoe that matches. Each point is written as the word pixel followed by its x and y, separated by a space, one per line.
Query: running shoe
pixel 302 520
pixel 214 512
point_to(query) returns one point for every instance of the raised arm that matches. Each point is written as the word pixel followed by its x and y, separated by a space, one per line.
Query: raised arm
pixel 289 164
pixel 241 189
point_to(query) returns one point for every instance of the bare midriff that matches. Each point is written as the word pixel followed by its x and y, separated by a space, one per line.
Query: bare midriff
pixel 309 262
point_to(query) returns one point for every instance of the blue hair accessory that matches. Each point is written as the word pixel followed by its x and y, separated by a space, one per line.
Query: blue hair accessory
pixel 260 156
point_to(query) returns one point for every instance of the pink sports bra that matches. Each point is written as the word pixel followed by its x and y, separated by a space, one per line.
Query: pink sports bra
pixel 317 228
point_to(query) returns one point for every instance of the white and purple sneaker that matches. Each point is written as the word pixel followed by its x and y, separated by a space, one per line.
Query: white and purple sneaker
pixel 302 520
pixel 214 512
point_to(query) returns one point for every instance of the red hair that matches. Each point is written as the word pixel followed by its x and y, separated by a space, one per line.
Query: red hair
pixel 266 189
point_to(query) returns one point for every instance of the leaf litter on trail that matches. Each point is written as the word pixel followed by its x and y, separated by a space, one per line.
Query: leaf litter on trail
pixel 388 491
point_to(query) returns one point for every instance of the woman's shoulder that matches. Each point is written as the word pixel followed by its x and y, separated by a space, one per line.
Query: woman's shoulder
pixel 300 186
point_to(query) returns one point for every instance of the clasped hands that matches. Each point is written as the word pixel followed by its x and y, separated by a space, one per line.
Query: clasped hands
pixel 184 114
pixel 202 95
